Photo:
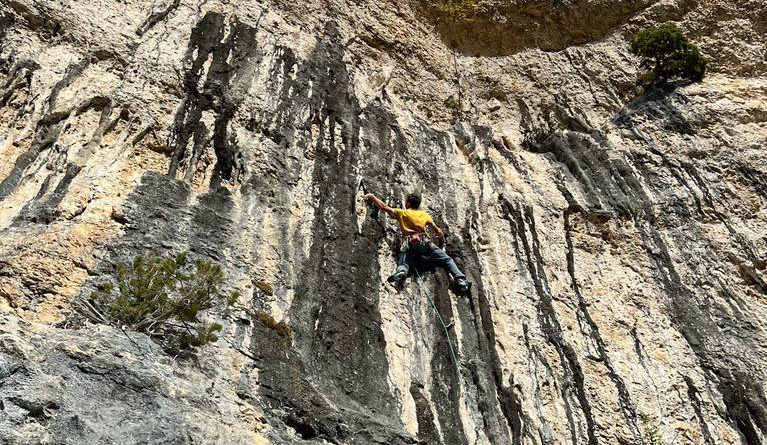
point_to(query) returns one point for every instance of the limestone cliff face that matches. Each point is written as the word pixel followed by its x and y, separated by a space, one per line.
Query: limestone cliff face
pixel 617 241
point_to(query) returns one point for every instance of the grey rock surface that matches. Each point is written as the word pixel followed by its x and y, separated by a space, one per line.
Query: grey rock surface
pixel 616 239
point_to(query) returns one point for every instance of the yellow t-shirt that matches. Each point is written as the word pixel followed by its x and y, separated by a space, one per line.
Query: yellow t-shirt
pixel 412 221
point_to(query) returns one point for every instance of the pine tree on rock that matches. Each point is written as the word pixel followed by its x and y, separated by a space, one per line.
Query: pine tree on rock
pixel 668 55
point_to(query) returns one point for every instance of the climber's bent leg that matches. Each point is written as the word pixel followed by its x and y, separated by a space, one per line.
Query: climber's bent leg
pixel 442 259
pixel 403 267
pixel 403 264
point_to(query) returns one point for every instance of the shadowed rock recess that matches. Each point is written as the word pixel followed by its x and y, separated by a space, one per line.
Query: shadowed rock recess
pixel 617 240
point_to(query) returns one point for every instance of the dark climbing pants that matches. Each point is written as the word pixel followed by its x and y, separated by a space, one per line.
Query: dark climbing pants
pixel 430 254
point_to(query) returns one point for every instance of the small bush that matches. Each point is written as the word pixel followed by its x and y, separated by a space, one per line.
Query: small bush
pixel 282 329
pixel 458 11
pixel 265 288
pixel 450 103
pixel 651 434
pixel 668 55
pixel 163 298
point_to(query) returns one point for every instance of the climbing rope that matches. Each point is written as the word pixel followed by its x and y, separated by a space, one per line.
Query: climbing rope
pixel 445 327
pixel 422 287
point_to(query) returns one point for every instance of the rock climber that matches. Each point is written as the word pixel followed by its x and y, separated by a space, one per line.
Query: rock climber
pixel 416 243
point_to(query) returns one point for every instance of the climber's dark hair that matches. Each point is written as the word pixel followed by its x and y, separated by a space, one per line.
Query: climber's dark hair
pixel 413 201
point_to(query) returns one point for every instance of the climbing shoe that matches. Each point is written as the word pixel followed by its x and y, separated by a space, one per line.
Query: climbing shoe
pixel 463 286
pixel 398 279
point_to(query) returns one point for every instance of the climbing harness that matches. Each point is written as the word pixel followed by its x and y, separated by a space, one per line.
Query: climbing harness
pixel 445 327
pixel 418 242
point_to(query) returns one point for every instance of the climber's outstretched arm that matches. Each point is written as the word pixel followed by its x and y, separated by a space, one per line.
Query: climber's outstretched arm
pixel 380 204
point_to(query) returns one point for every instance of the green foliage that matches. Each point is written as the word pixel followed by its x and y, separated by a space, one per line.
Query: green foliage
pixel 651 433
pixel 450 103
pixel 459 11
pixel 163 298
pixel 667 54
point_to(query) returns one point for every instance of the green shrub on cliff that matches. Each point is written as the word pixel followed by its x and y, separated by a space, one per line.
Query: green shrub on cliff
pixel 163 298
pixel 458 11
pixel 651 433
pixel 668 55
pixel 451 103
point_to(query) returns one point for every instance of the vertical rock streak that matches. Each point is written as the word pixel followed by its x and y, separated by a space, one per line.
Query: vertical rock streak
pixel 627 406
pixel 626 194
pixel 573 378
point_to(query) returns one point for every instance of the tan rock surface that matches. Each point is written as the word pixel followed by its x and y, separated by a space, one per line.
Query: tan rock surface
pixel 617 241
